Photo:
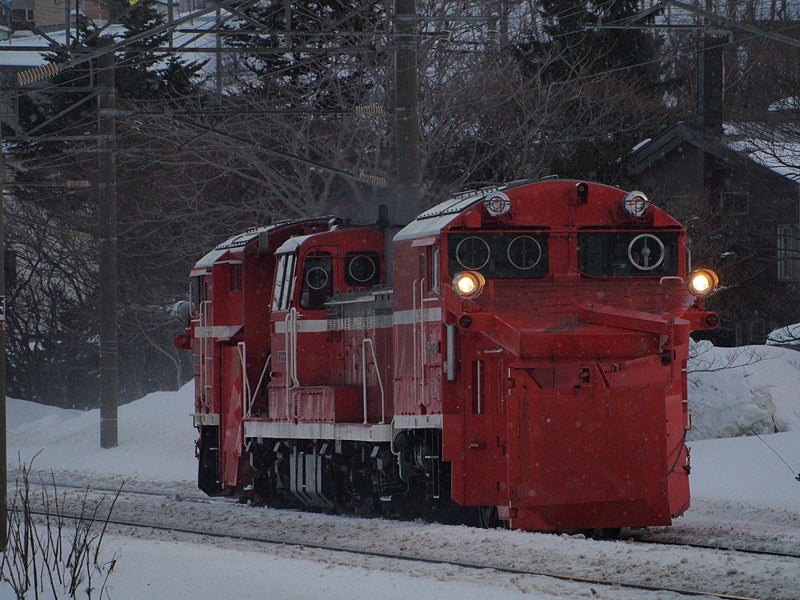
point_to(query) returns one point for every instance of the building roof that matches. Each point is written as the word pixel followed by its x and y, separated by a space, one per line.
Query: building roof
pixel 774 147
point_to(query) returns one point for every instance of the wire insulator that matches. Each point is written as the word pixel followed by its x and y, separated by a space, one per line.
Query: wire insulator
pixel 368 109
pixel 372 179
pixel 38 73
pixel 78 184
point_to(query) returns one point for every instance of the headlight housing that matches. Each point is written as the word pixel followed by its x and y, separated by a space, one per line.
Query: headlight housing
pixel 497 204
pixel 468 284
pixel 635 204
pixel 703 283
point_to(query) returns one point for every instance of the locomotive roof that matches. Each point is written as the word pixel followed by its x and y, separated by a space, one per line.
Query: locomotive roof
pixel 237 241
pixel 292 244
pixel 434 219
pixel 240 240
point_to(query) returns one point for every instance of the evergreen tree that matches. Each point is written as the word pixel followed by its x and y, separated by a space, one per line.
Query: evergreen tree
pixel 294 51
pixel 146 73
pixel 598 62
pixel 576 30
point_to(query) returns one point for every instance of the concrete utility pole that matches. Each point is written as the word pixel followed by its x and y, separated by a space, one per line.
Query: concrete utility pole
pixel 3 442
pixel 406 100
pixel 107 226
pixel 710 77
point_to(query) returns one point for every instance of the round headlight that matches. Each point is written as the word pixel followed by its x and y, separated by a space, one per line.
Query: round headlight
pixel 635 204
pixel 497 204
pixel 468 284
pixel 703 283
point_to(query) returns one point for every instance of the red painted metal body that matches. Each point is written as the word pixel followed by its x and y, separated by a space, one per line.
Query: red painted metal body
pixel 557 396
pixel 233 287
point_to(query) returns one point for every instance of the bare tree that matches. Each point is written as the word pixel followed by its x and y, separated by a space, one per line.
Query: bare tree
pixel 52 552
pixel 50 299
pixel 296 129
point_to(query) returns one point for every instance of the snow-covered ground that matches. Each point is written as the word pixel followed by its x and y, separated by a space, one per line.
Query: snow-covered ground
pixel 755 396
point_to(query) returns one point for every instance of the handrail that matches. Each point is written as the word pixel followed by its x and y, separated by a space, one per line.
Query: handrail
pixel 450 367
pixel 414 339
pixel 364 343
pixel 205 354
pixel 668 277
pixel 241 348
pixel 294 316
pixel 422 343
pixel 291 359
pixel 258 385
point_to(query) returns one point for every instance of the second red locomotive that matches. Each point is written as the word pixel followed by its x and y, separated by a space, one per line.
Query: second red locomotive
pixel 516 354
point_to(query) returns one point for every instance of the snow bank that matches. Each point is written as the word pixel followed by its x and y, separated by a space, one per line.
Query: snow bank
pixel 743 391
pixel 156 438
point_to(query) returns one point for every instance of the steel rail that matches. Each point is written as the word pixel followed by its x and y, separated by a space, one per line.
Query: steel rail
pixel 631 539
pixel 700 546
pixel 406 558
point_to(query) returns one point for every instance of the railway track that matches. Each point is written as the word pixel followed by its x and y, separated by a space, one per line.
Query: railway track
pixel 635 563
pixel 429 561
pixel 700 545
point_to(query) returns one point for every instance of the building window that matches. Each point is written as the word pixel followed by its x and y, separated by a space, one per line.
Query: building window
pixel 788 253
pixel 24 14
pixel 735 203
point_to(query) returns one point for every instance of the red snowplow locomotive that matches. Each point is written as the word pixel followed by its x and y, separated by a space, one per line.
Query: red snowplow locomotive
pixel 514 355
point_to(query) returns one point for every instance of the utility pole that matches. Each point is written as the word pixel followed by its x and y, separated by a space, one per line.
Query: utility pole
pixel 408 202
pixel 3 442
pixel 710 77
pixel 107 226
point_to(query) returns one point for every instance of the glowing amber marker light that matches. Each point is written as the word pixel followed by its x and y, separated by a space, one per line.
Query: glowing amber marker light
pixel 468 284
pixel 703 283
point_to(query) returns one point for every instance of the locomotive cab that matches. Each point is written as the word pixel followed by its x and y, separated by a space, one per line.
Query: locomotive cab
pixel 312 270
pixel 328 379
pixel 228 331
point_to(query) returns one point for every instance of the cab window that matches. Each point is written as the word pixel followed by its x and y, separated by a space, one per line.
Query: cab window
pixel 509 255
pixel 628 253
pixel 284 282
pixel 362 269
pixel 317 284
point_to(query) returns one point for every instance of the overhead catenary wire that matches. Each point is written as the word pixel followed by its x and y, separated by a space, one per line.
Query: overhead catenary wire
pixel 776 453
pixel 565 13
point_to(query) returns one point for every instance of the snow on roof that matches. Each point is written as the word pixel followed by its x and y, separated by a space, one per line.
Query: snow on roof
pixel 293 243
pixel 237 241
pixel 33 58
pixel 790 103
pixel 434 219
pixel 775 147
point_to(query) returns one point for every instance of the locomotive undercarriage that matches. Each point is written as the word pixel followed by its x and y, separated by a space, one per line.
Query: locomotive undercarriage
pixel 405 479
